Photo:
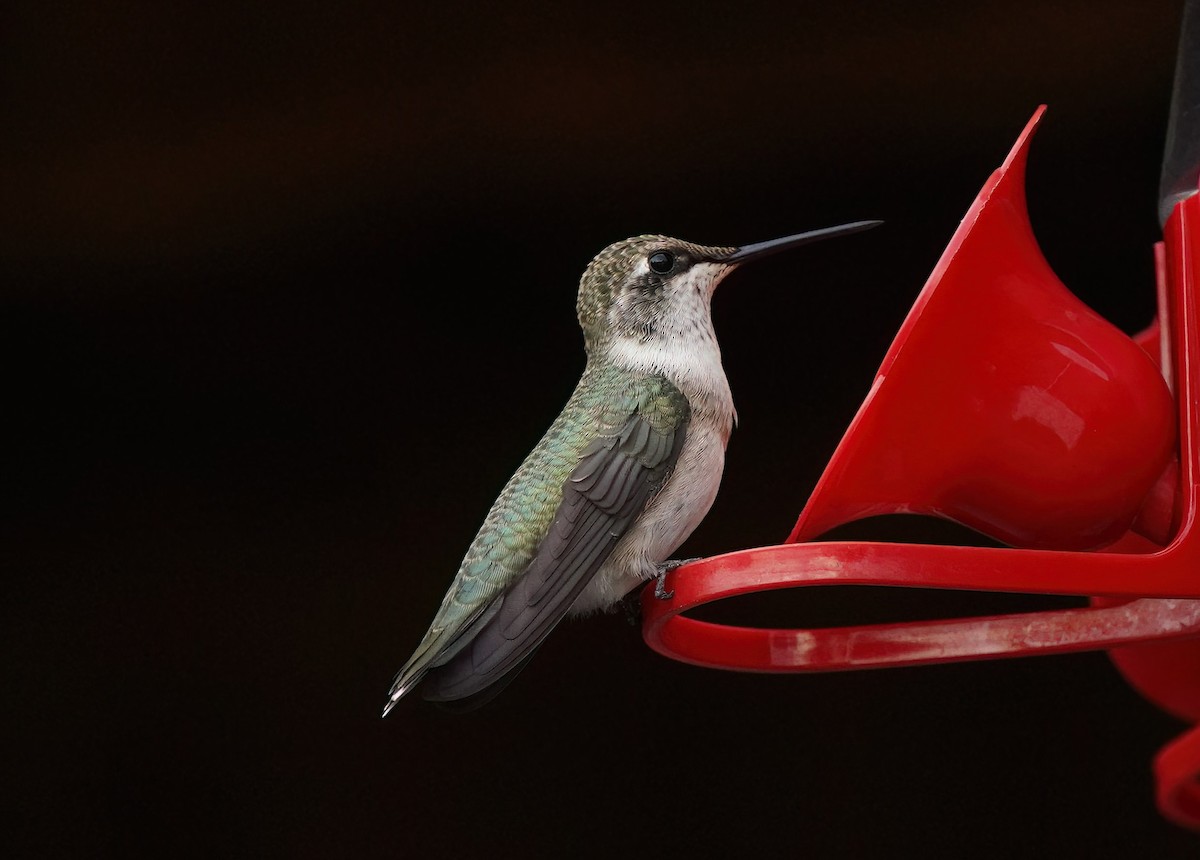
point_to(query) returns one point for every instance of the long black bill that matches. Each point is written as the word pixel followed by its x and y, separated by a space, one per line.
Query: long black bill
pixel 774 246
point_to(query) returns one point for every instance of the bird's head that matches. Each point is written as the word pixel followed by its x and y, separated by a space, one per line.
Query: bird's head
pixel 653 287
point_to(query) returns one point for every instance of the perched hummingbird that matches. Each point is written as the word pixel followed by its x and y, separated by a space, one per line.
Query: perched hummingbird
pixel 623 476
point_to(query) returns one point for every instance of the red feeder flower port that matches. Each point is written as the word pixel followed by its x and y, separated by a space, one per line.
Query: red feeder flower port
pixel 1007 405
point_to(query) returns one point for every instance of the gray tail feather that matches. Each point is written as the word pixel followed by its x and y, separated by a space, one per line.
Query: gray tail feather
pixel 407 679
pixel 463 705
pixel 401 685
pixel 428 657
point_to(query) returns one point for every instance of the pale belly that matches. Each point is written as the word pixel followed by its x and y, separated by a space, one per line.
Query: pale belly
pixel 668 521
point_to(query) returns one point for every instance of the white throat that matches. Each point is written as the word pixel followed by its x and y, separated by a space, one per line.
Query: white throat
pixel 683 346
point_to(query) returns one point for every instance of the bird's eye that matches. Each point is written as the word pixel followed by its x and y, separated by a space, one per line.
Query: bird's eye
pixel 661 262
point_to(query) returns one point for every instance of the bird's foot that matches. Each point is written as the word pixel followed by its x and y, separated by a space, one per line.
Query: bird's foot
pixel 660 575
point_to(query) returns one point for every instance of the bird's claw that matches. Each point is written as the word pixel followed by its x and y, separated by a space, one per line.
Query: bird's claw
pixel 660 576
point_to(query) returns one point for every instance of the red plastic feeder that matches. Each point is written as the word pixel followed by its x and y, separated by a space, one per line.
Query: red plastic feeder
pixel 1007 405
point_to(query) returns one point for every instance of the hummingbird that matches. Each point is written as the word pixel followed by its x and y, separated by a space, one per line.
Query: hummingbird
pixel 622 477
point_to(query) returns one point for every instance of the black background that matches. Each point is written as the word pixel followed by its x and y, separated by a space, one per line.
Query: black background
pixel 288 293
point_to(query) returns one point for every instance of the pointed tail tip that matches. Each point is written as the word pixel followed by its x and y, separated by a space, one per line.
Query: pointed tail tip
pixel 394 696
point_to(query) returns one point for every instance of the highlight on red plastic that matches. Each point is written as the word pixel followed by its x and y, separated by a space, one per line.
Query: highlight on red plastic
pixel 1007 405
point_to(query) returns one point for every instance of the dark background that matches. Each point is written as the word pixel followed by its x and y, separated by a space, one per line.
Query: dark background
pixel 288 292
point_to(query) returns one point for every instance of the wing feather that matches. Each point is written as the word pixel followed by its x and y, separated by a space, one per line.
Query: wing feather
pixel 616 476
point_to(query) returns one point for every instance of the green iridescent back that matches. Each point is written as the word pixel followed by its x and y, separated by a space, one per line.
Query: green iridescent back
pixel 506 543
